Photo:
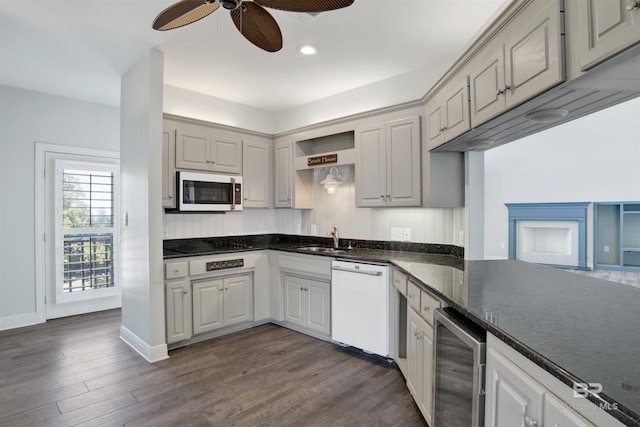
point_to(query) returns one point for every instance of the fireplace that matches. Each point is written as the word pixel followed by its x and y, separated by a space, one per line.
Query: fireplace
pixel 548 233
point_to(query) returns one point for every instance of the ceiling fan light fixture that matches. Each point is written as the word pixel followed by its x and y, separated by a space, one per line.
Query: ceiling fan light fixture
pixel 307 50
pixel 230 4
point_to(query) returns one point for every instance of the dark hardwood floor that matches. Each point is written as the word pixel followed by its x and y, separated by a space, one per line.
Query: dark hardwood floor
pixel 76 371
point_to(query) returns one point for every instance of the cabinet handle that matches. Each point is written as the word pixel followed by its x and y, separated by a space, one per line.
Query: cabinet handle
pixel 382 196
pixel 528 422
pixel 171 197
pixel 176 271
pixel 633 5
pixel 208 161
pixel 185 292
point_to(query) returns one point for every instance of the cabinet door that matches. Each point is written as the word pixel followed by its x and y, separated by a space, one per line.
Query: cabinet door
pixel 534 55
pixel 283 175
pixel 294 300
pixel 317 295
pixel 403 162
pixel 435 123
pixel 193 151
pixel 606 27
pixel 371 178
pixel 178 311
pixel 208 305
pixel 256 177
pixel 455 107
pixel 238 299
pixel 486 80
pixel 168 167
pixel 425 341
pixel 414 355
pixel 558 414
pixel 513 398
pixel 226 155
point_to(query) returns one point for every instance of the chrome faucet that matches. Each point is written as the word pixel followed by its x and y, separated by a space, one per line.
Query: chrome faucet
pixel 335 236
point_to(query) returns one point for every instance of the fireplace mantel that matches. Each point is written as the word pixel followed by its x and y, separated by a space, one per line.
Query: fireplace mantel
pixel 550 212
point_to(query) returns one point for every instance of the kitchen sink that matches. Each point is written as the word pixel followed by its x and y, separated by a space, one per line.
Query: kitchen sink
pixel 320 249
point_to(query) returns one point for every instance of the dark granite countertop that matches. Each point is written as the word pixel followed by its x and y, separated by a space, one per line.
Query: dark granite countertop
pixel 577 328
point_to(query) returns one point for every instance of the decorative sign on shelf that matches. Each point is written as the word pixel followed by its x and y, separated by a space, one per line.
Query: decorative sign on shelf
pixel 321 160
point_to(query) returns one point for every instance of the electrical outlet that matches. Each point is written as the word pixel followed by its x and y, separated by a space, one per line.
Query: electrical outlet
pixel 314 229
pixel 606 248
pixel 406 234
pixel 501 245
pixel 396 233
pixel 461 238
pixel 165 232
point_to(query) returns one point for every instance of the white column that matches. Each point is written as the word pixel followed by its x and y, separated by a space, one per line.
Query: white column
pixel 474 205
pixel 141 239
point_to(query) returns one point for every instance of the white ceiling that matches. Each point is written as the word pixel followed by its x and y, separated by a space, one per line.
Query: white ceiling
pixel 80 48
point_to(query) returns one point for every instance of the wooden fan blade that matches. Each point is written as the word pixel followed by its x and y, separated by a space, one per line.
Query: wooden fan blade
pixel 258 26
pixel 308 6
pixel 183 13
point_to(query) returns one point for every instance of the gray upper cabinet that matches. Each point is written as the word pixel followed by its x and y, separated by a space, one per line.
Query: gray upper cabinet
pixel 448 113
pixel 199 149
pixel 256 164
pixel 371 189
pixel 168 166
pixel 388 164
pixel 606 28
pixel 525 59
pixel 283 175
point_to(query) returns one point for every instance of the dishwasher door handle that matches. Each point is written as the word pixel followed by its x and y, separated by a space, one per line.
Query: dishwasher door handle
pixel 353 270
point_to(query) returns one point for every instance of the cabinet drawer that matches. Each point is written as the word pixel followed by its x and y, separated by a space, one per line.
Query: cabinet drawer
pixel 413 295
pixel 400 281
pixel 428 304
pixel 175 270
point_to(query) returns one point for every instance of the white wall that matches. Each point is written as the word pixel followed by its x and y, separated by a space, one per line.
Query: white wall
pixel 27 117
pixel 141 188
pixel 592 159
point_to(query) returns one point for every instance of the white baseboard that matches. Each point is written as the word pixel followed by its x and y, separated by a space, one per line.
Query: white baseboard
pixel 18 321
pixel 151 354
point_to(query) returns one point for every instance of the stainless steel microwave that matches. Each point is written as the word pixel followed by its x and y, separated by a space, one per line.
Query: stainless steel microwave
pixel 207 192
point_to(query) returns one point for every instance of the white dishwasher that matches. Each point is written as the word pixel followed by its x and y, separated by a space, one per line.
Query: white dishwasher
pixel 360 306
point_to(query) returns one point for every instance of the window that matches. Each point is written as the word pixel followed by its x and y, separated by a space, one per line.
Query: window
pixel 86 230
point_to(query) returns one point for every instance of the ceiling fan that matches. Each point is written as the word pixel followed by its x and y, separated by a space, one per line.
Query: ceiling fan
pixel 250 17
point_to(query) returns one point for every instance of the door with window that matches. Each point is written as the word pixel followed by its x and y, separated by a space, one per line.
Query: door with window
pixel 82 234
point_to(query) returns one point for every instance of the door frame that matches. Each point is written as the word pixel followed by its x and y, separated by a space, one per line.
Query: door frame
pixel 41 150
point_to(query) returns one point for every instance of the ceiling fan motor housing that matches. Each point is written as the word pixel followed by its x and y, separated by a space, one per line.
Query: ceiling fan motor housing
pixel 231 4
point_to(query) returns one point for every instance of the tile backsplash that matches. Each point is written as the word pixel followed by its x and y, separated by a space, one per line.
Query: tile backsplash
pixel 426 225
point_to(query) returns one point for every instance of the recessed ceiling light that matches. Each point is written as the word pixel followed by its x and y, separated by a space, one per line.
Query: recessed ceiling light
pixel 480 143
pixel 546 116
pixel 307 49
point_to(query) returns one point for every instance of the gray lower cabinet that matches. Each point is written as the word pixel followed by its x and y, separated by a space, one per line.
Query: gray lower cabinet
pixel 520 393
pixel 420 363
pixel 307 302
pixel 420 350
pixel 221 302
pixel 178 310
pixel 196 307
